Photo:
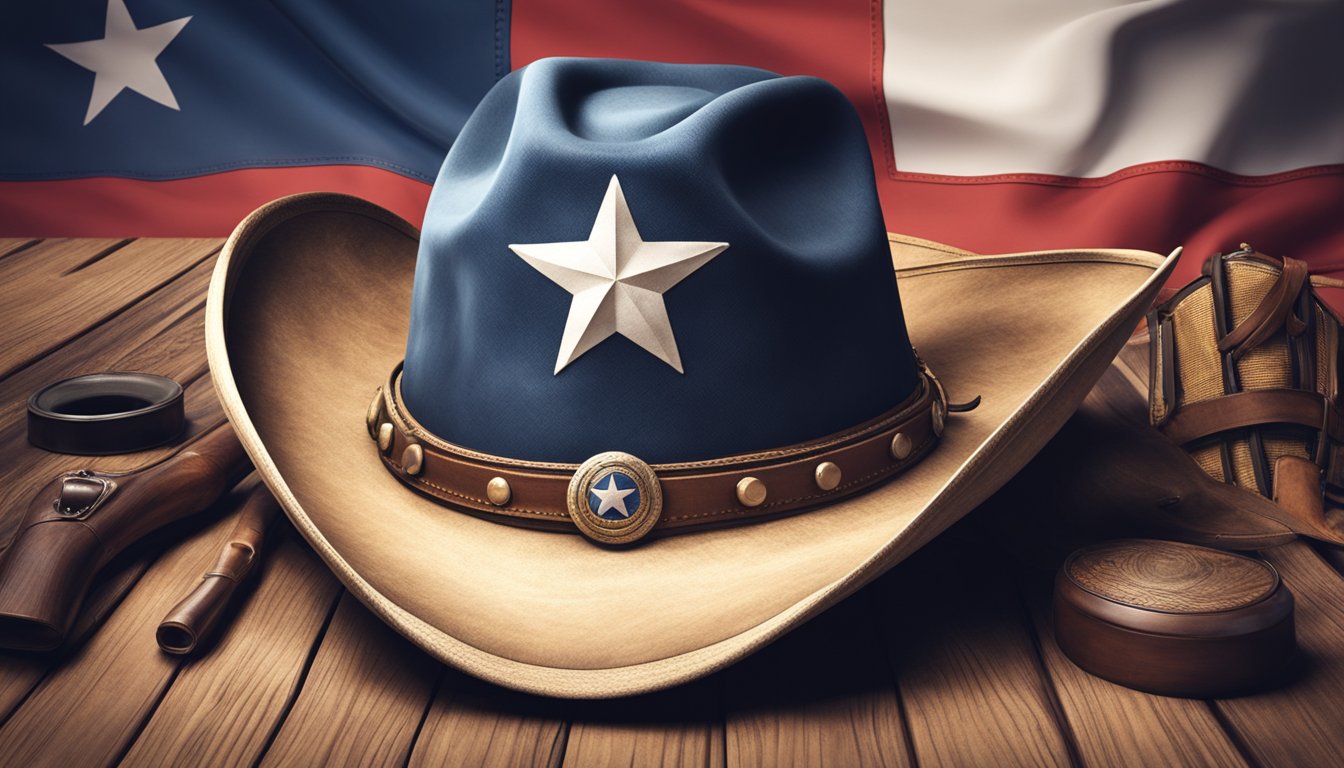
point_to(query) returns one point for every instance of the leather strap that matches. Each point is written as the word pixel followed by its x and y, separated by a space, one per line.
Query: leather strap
pixel 694 494
pixel 1274 312
pixel 1251 409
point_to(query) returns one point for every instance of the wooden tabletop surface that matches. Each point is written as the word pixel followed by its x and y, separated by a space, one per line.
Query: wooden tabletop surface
pixel 949 659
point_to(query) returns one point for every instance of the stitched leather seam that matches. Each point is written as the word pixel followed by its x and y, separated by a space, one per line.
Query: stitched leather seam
pixel 906 464
pixel 465 497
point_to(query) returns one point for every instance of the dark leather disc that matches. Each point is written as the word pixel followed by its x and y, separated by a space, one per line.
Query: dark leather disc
pixel 104 413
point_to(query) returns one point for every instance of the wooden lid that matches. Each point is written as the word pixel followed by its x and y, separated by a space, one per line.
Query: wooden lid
pixel 1174 618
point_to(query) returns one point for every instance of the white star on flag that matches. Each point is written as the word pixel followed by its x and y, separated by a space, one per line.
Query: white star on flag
pixel 124 58
pixel 612 498
pixel 618 281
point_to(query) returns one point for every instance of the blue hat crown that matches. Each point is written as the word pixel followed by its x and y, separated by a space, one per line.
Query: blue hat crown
pixel 681 262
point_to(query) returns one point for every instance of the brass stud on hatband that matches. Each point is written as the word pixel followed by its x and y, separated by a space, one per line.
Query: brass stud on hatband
pixel 385 437
pixel 413 459
pixel 750 492
pixel 498 491
pixel 375 410
pixel 828 475
pixel 901 447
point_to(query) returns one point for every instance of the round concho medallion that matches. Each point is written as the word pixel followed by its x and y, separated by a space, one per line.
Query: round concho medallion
pixel 614 498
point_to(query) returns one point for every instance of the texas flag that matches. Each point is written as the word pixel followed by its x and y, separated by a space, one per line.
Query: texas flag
pixel 995 126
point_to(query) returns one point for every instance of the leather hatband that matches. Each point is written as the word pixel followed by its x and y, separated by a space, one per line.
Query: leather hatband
pixel 679 496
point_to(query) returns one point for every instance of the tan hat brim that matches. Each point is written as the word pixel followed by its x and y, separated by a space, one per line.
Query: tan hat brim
pixel 307 314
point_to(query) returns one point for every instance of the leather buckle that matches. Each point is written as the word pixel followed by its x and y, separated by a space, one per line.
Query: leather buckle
pixel 81 494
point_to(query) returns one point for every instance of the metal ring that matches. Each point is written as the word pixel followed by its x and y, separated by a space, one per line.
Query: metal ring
pixel 106 413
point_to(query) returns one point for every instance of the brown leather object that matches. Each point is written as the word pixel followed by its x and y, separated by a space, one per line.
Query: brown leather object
pixel 1107 474
pixel 79 521
pixel 197 615
pixel 1245 369
pixel 1175 619
pixel 694 494
pixel 1274 312
pixel 1248 409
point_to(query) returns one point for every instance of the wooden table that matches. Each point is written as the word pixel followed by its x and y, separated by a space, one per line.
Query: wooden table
pixel 947 660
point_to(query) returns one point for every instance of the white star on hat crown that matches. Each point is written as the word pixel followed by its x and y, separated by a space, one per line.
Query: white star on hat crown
pixel 617 281
pixel 125 57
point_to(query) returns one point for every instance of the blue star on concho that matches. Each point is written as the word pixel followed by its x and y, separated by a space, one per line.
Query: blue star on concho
pixel 618 500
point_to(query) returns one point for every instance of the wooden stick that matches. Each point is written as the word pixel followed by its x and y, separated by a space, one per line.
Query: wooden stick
pixel 197 615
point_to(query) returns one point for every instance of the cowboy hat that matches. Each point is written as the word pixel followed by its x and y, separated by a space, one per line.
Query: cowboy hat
pixel 644 393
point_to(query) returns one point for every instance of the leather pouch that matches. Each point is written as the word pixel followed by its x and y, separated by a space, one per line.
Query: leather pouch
pixel 1245 376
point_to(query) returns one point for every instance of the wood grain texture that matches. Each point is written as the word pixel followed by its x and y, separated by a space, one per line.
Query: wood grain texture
pixel 227 701
pixel 678 727
pixel 822 695
pixel 1170 576
pixel 969 672
pixel 120 674
pixel 162 333
pixel 1303 722
pixel 1113 725
pixel 474 723
pixel 363 699
pixel 57 289
pixel 12 245
pixel 648 744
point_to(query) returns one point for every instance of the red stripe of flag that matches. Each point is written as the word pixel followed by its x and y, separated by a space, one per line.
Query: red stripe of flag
pixel 198 206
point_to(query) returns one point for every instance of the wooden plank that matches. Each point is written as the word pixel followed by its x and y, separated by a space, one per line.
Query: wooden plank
pixel 1113 725
pixel 224 705
pixel 1301 723
pixel 58 289
pixel 969 673
pixel 364 697
pixel 55 255
pixel 141 325
pixel 12 245
pixel 822 695
pixel 644 744
pixel 474 723
pixel 680 727
pixel 88 710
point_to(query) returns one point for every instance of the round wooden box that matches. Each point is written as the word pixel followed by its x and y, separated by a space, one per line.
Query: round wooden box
pixel 1175 619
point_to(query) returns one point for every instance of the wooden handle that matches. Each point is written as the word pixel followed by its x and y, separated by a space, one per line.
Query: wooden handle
pixel 197 615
